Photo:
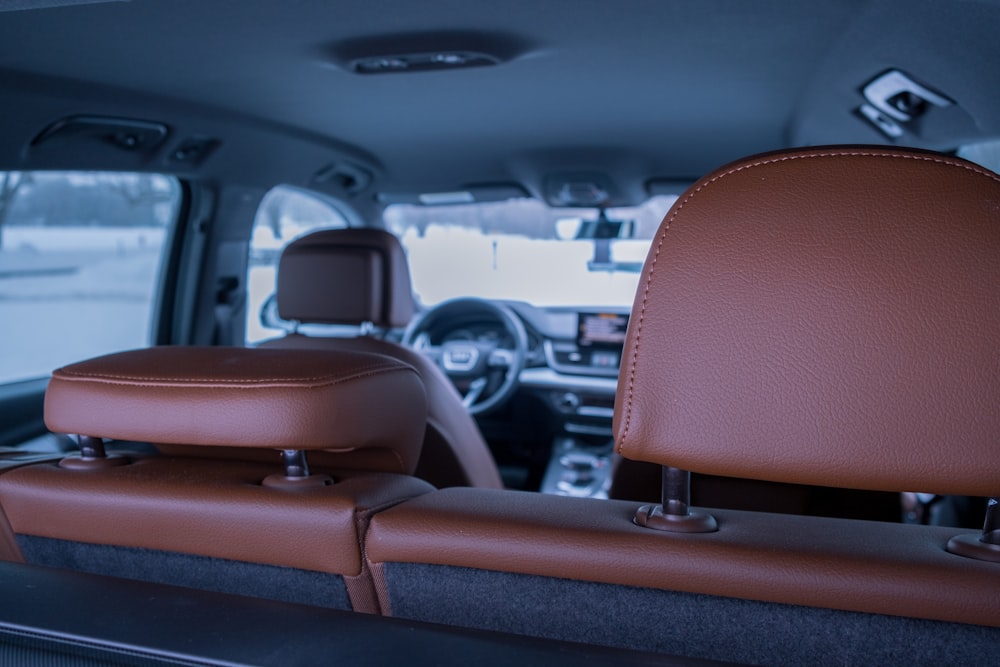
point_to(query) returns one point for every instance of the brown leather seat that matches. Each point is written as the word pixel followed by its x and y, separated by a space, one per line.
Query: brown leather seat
pixel 360 277
pixel 252 528
pixel 821 316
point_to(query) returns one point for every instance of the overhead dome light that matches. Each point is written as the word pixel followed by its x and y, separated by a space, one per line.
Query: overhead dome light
pixel 425 51
pixel 421 62
pixel 376 65
pixel 452 59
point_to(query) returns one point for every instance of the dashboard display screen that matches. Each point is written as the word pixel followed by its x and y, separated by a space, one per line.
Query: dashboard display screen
pixel 601 330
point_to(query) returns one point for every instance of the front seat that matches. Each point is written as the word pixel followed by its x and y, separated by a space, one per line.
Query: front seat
pixel 360 277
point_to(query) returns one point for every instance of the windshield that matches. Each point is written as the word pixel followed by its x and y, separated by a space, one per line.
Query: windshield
pixel 523 250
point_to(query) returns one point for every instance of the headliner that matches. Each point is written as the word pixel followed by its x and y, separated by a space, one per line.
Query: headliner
pixel 634 89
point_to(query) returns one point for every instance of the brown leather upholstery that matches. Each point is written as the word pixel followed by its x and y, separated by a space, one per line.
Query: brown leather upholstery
pixel 143 512
pixel 8 542
pixel 861 566
pixel 322 277
pixel 211 508
pixel 345 276
pixel 823 316
pixel 454 452
pixel 237 397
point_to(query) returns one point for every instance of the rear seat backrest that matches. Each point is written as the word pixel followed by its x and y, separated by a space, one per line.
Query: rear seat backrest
pixel 244 527
pixel 818 316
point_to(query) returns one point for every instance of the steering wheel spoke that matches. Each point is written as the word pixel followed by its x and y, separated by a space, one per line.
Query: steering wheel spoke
pixel 476 388
pixel 484 374
pixel 501 358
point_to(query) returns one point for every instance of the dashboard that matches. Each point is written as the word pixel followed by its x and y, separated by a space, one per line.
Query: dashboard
pixel 563 406
pixel 581 353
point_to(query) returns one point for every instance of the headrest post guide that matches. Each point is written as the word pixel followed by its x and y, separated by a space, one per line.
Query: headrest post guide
pixel 991 525
pixel 296 473
pixel 295 463
pixel 91 448
pixel 675 514
pixel 93 456
pixel 985 546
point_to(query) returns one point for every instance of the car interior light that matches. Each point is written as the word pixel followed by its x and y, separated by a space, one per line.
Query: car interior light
pixel 449 58
pixel 420 62
pixel 376 65
pixel 438 198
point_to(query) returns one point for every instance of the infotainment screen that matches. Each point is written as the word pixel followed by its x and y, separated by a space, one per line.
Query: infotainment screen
pixel 601 330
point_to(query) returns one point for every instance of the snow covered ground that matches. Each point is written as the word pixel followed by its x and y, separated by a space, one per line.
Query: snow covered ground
pixel 71 293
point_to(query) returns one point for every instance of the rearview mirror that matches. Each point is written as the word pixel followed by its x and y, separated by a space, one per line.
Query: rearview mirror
pixel 602 228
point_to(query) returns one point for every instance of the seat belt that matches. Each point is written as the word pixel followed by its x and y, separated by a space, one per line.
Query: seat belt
pixel 228 299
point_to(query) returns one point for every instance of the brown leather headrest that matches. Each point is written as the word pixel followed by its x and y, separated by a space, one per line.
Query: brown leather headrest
pixel 345 276
pixel 823 316
pixel 238 397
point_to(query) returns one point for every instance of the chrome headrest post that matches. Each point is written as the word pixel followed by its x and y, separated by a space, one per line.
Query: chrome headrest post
pixel 985 546
pixel 295 463
pixel 296 473
pixel 674 514
pixel 92 456
pixel 91 448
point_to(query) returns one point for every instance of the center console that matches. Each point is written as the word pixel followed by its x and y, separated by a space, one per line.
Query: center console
pixel 581 460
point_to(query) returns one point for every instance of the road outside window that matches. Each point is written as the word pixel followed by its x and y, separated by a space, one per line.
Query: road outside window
pixel 80 253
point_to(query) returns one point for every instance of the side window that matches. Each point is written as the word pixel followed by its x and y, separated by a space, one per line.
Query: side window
pixel 985 153
pixel 80 254
pixel 284 215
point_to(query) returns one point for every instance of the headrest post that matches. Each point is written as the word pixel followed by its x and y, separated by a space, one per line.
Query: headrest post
pixel 675 514
pixel 92 448
pixel 296 473
pixel 93 456
pixel 676 491
pixel 295 462
pixel 991 526
pixel 985 546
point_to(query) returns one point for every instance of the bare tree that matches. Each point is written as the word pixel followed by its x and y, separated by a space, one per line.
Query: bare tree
pixel 138 191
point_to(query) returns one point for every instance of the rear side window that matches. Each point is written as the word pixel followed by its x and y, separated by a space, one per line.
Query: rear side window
pixel 80 255
pixel 284 215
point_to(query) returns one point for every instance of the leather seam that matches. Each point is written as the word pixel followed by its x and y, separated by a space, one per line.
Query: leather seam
pixel 743 167
pixel 318 381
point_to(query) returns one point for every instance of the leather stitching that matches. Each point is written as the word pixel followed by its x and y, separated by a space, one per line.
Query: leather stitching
pixel 743 167
pixel 138 380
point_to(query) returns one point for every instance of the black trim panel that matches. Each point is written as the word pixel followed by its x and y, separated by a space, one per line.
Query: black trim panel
pixel 152 621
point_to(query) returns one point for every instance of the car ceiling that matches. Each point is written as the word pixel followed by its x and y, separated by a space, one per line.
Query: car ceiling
pixel 636 90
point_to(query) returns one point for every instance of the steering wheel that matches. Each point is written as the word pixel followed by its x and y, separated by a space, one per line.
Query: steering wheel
pixel 484 372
